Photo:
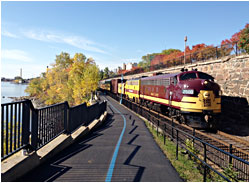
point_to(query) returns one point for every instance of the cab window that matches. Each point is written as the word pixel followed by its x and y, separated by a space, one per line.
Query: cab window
pixel 188 76
pixel 205 76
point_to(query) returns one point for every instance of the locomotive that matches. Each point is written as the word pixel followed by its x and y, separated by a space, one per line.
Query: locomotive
pixel 192 97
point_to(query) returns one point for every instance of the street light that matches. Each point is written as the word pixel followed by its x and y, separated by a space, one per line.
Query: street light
pixel 122 88
pixel 185 39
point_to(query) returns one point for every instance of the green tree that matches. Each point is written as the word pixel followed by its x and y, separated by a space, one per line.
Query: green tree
pixel 106 73
pixel 144 63
pixel 101 73
pixel 63 60
pixel 111 74
pixel 149 57
pixel 35 87
pixel 170 51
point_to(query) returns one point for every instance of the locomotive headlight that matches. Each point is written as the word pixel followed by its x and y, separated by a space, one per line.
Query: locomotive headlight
pixel 206 95
pixel 190 92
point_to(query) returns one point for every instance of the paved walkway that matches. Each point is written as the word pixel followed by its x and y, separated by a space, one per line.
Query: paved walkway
pixel 121 150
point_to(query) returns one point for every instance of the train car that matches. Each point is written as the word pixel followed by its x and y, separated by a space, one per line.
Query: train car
pixel 105 85
pixel 192 97
pixel 115 84
pixel 132 88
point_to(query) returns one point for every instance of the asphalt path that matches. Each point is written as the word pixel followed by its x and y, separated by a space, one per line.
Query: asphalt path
pixel 120 150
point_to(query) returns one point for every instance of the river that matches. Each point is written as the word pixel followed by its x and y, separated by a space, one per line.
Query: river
pixel 9 89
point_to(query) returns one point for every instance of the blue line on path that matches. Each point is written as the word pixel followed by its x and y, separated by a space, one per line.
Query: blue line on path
pixel 112 163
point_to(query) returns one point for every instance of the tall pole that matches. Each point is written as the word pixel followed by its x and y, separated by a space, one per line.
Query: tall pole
pixel 185 40
pixel 122 88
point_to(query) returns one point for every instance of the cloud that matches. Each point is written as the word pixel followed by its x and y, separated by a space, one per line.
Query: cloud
pixel 76 41
pixel 8 34
pixel 15 55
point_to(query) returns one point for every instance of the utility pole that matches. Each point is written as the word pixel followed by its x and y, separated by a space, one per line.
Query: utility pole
pixel 122 88
pixel 185 40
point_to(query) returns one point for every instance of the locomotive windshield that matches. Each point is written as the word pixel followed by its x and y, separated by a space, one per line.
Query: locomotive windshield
pixel 205 76
pixel 188 76
pixel 193 75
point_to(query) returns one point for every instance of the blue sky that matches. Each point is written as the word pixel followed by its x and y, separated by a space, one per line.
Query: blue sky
pixel 33 33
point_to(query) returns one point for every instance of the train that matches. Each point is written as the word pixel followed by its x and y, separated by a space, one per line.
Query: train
pixel 191 97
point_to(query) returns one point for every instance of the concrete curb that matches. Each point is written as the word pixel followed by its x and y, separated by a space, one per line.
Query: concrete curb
pixel 19 164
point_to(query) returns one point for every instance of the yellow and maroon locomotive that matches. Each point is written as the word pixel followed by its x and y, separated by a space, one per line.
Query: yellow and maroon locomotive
pixel 193 97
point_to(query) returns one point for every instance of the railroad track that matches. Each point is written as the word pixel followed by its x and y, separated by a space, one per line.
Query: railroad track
pixel 218 139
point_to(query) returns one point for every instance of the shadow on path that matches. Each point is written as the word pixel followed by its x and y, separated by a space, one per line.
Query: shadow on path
pixel 52 169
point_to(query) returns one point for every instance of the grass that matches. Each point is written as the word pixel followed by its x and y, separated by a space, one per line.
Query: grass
pixel 188 169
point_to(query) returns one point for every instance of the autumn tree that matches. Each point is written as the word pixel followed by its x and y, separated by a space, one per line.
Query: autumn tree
pixel 69 79
pixel 83 79
pixel 240 38
pixel 244 39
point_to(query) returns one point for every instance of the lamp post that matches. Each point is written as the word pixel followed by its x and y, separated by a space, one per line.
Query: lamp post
pixel 185 40
pixel 121 88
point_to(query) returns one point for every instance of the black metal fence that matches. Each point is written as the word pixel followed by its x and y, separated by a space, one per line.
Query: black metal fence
pixel 23 126
pixel 210 52
pixel 78 116
pixel 15 122
pixel 220 160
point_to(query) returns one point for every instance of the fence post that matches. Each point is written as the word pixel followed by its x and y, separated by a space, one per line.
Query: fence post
pixel 34 131
pixel 193 134
pixel 151 124
pixel 177 139
pixel 205 166
pixel 66 118
pixel 172 130
pixel 164 132
pixel 231 152
pixel 157 127
pixel 26 122
pixel 105 108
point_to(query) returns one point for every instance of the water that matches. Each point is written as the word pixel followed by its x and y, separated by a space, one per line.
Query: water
pixel 9 89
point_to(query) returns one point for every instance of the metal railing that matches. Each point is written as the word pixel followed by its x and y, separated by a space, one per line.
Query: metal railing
pixel 14 126
pixel 23 126
pixel 77 116
pixel 47 123
pixel 211 158
pixel 210 52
